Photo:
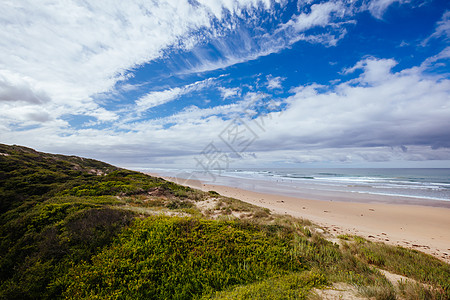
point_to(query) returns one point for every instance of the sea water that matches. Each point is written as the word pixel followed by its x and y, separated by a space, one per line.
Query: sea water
pixel 417 186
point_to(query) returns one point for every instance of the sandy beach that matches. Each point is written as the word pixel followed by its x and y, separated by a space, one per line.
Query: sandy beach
pixel 424 228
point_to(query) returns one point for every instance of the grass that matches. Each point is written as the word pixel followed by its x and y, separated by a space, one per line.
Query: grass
pixel 290 286
pixel 345 237
pixel 414 290
pixel 407 262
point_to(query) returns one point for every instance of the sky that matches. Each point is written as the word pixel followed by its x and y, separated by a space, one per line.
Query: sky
pixel 217 84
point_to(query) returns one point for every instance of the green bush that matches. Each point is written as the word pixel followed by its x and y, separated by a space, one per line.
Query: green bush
pixel 179 258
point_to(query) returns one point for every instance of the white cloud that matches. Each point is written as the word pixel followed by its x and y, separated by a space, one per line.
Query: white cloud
pixel 373 117
pixel 218 7
pixel 379 108
pixel 13 89
pixel 319 16
pixel 57 57
pixel 68 52
pixel 378 7
pixel 442 29
pixel 328 18
pixel 274 82
pixel 229 92
pixel 156 98
pixel 375 70
pixel 153 99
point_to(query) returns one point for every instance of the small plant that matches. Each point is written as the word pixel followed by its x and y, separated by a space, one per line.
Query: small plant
pixel 177 204
pixel 359 240
pixel 384 292
pixel 261 213
pixel 345 237
pixel 414 290
pixel 305 230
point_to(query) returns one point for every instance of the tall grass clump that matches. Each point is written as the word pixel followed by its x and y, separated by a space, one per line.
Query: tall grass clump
pixel 407 262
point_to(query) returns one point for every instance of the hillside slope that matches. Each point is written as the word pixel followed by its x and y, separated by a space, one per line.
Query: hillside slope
pixel 79 228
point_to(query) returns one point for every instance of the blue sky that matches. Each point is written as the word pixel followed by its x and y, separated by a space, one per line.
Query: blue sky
pixel 231 83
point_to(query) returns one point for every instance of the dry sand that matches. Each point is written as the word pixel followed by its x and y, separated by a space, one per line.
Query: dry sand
pixel 423 228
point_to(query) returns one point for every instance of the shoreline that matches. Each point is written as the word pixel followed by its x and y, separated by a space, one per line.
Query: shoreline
pixel 420 227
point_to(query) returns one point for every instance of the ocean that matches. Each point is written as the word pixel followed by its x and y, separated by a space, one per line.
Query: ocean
pixel 410 186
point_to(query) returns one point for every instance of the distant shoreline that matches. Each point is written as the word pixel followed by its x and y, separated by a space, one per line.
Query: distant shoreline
pixel 421 227
pixel 362 185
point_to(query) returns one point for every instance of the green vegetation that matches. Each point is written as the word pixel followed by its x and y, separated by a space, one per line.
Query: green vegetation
pixel 291 286
pixel 410 263
pixel 79 228
pixel 180 258
pixel 57 211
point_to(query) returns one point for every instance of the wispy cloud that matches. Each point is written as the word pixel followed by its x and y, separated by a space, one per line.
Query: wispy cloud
pixel 274 82
pixel 442 29
pixel 153 99
pixel 229 92
pixel 322 23
pixel 69 52
pixel 157 98
pixel 320 15
pixel 378 7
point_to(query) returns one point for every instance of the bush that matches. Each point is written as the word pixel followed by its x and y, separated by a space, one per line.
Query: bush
pixel 179 258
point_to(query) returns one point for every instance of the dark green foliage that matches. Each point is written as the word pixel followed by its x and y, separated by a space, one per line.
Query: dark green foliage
pixel 27 174
pixel 181 258
pixel 39 245
pixel 54 213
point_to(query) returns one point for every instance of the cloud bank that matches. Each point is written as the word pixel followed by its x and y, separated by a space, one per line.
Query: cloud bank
pixel 83 78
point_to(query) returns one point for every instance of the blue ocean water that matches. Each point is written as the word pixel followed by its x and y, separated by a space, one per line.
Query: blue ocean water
pixel 422 183
pixel 391 184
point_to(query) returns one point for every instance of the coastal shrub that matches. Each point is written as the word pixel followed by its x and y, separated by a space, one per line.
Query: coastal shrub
pixel 39 242
pixel 291 286
pixel 179 258
pixel 178 204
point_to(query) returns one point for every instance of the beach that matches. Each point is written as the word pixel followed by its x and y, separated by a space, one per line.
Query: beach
pixel 420 227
